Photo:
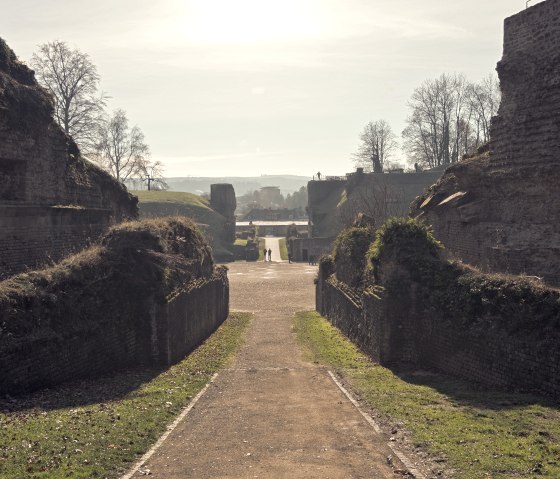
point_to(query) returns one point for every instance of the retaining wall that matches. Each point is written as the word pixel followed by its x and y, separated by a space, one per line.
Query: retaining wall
pixel 401 323
pixel 147 296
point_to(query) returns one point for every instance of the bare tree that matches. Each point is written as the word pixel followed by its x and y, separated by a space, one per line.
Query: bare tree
pixel 435 112
pixel 450 117
pixel 484 100
pixel 72 79
pixel 377 199
pixel 121 150
pixel 377 144
pixel 152 174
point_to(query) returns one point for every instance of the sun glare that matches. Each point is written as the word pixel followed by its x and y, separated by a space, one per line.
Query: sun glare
pixel 246 21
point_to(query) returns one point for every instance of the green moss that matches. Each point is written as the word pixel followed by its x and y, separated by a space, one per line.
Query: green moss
pixel 480 302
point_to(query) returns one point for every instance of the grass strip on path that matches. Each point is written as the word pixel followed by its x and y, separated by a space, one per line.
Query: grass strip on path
pixel 476 432
pixel 96 429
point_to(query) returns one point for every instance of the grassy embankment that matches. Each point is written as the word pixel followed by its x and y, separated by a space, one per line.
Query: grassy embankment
pixel 168 203
pixel 262 242
pixel 96 429
pixel 283 249
pixel 476 432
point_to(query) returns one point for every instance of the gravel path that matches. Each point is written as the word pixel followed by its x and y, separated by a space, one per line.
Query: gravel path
pixel 272 414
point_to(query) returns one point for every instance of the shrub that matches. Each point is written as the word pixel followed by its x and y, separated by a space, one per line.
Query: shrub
pixel 349 254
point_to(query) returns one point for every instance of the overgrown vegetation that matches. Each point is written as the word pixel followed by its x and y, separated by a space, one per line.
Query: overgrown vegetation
pixel 470 431
pixel 95 429
pixel 164 203
pixel 149 254
pixel 514 305
pixel 406 240
pixel 94 299
pixel 349 253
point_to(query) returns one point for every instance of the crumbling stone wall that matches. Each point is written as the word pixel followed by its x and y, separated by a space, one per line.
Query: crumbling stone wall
pixel 420 309
pixel 52 201
pixel 148 295
pixel 501 212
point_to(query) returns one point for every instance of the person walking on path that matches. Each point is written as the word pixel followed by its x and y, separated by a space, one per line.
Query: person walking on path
pixel 264 254
pixel 269 254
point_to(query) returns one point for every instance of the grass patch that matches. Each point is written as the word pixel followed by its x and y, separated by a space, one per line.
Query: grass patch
pixel 153 204
pixel 96 429
pixel 174 197
pixel 477 432
pixel 240 242
pixel 283 249
pixel 262 243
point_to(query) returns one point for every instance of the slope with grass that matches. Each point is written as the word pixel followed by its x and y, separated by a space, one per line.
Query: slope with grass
pixel 169 203
pixel 96 429
pixel 464 430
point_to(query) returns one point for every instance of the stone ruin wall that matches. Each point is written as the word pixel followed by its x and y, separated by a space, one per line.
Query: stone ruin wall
pixel 223 201
pixel 145 306
pixel 502 212
pixel 52 201
pixel 403 328
pixel 526 131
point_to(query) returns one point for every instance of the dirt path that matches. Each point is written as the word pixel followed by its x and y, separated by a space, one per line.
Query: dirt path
pixel 272 414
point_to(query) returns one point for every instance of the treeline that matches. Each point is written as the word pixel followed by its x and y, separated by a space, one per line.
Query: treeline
pixel 449 117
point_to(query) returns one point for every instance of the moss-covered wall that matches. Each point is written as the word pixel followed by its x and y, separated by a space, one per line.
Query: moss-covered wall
pixel 417 307
pixel 147 295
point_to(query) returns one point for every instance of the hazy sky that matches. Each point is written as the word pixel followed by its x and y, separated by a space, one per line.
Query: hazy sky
pixel 250 87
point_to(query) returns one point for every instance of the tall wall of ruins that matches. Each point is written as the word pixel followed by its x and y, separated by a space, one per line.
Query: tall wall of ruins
pixel 52 201
pixel 222 200
pixel 502 212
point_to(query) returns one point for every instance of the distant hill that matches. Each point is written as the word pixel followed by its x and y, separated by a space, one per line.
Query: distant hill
pixel 242 185
pixel 168 203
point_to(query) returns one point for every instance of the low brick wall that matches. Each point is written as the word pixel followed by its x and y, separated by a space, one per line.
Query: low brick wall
pixel 148 297
pixel 402 323
pixel 190 317
pixel 152 335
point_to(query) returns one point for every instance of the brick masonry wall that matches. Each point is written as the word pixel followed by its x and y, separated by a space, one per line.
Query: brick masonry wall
pixel 33 236
pixel 507 217
pixel 527 129
pixel 400 327
pixel 42 172
pixel 190 317
pixel 149 333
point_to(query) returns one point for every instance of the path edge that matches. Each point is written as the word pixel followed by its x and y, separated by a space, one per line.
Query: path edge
pixel 404 459
pixel 136 467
